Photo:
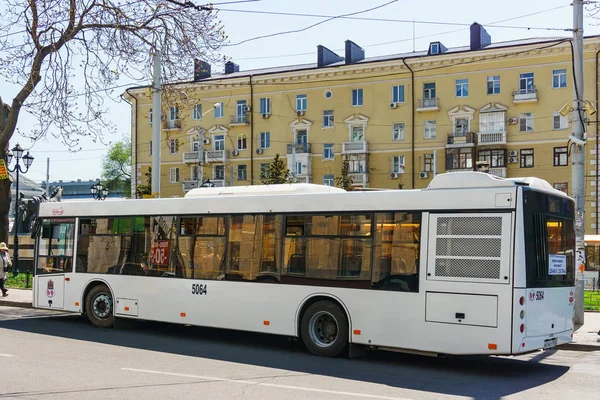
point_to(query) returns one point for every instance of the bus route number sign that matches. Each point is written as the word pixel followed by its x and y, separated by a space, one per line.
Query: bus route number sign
pixel 199 288
pixel 160 252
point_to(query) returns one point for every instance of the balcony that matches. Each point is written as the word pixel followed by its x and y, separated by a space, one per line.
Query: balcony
pixel 192 157
pixel 355 147
pixel 303 179
pixel 525 95
pixel 300 148
pixel 424 105
pixel 215 156
pixel 218 182
pixel 189 185
pixel 484 138
pixel 462 140
pixel 239 119
pixel 171 124
pixel 359 178
pixel 500 172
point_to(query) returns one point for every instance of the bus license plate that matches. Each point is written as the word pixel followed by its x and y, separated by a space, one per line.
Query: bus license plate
pixel 550 343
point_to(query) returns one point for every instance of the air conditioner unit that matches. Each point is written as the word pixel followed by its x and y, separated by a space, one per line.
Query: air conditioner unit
pixel 512 121
pixel 423 175
pixel 235 153
pixel 247 109
pixel 265 115
pixel 512 160
pixel 206 141
pixel 299 113
pixel 513 153
pixel 394 175
pixel 393 105
pixel 259 151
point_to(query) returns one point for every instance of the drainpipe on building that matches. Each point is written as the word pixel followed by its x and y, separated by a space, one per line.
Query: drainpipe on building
pixel 412 123
pixel 597 134
pixel 134 170
pixel 252 114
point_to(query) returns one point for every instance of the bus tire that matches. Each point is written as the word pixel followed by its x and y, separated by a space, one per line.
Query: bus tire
pixel 324 329
pixel 99 307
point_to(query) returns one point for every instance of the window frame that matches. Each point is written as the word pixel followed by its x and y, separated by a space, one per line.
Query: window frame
pixel 328 119
pixel 174 175
pixel 328 153
pixel 265 105
pixel 462 88
pixel 558 75
pixel 494 80
pixel 301 102
pixel 197 112
pixel 398 94
pixel 241 141
pixel 242 172
pixel 357 97
pixel 525 118
pixel 560 156
pixel 265 140
pixel 398 131
pixel 398 164
pixel 524 157
pixel 218 112
pixel 563 122
pixel 429 127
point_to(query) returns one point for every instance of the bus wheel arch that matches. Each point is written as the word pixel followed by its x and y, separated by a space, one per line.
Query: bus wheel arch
pixel 321 312
pixel 99 292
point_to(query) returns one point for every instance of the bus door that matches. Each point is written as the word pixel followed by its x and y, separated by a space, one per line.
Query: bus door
pixel 54 258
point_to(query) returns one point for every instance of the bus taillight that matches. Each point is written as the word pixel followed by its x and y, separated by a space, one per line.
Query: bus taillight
pixel 522 328
pixel 522 300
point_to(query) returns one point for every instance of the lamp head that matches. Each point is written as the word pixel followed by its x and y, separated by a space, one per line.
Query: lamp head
pixel 28 160
pixel 566 109
pixel 589 108
pixel 17 151
pixel 93 189
pixel 9 157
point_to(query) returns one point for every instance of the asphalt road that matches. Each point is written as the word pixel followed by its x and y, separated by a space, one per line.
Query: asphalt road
pixel 46 355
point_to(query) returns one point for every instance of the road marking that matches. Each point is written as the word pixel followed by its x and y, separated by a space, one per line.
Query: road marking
pixel 6 355
pixel 274 385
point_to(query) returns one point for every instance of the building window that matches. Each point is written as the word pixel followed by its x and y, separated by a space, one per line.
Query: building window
pixel 150 117
pixel 195 175
pixel 356 165
pixel 461 127
pixel 328 119
pixel 242 172
pixel 173 146
pixel 298 169
pixel 301 102
pixel 398 131
pixel 173 113
pixel 435 48
pixel 462 87
pixel 560 122
pixel 494 158
pixel 328 151
pixel 398 164
pixel 428 167
pixel 265 106
pixel 461 158
pixel 328 180
pixel 150 148
pixel 526 81
pixel 241 141
pixel 197 111
pixel 264 170
pixel 562 186
pixel 218 111
pixel 358 133
pixel 265 140
pixel 527 158
pixel 219 172
pixel 219 142
pixel 559 78
pixel 429 92
pixel 492 122
pixel 526 122
pixel 493 84
pixel 357 97
pixel 398 94
pixel 174 175
pixel 429 130
pixel 561 157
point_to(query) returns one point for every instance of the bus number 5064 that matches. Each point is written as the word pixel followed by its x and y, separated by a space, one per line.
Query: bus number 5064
pixel 198 289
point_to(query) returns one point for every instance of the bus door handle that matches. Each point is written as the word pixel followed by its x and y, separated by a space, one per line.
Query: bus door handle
pixel 460 315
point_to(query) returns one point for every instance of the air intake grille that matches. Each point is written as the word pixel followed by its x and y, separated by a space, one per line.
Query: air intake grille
pixel 482 226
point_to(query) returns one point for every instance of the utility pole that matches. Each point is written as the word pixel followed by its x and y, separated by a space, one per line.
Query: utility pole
pixel 156 124
pixel 48 176
pixel 578 155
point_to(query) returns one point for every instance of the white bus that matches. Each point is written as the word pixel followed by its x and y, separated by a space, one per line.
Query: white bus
pixel 473 264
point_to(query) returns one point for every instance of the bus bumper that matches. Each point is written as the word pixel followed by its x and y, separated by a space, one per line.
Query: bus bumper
pixel 531 343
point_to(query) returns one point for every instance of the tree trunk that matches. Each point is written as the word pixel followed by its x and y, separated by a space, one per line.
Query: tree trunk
pixel 5 200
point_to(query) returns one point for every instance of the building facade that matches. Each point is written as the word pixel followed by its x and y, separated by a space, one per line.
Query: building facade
pixel 397 119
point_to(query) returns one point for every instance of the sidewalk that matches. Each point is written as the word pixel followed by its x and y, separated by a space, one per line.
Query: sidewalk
pixel 18 298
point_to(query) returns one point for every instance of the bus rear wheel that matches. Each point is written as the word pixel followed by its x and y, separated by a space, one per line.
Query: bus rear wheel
pixel 99 307
pixel 324 329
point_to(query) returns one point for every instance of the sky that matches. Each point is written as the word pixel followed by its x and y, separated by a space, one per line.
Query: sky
pixel 376 37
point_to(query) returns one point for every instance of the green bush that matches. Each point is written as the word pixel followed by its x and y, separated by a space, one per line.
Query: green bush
pixel 19 282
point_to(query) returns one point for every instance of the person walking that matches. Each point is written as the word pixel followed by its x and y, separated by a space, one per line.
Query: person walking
pixel 5 264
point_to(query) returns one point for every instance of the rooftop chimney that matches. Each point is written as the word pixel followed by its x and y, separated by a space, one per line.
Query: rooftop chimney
pixel 231 67
pixel 479 37
pixel 201 70
pixel 354 52
pixel 326 56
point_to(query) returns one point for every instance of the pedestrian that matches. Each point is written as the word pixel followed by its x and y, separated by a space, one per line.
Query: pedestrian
pixel 5 264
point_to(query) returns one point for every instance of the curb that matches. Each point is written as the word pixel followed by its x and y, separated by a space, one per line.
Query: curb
pixel 579 347
pixel 11 303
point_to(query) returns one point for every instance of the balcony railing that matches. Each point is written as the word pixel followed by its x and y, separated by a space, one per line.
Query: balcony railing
pixel 171 124
pixel 432 104
pixel 460 140
pixel 525 95
pixel 359 178
pixel 500 172
pixel 303 179
pixel 300 148
pixel 189 185
pixel 215 156
pixel 239 119
pixel 192 157
pixel 491 138
pixel 355 147
pixel 218 182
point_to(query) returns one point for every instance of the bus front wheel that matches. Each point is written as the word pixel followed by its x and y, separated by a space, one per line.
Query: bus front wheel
pixel 324 329
pixel 99 307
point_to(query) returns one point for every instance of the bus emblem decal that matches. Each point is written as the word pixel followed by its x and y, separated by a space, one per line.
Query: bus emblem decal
pixel 531 295
pixel 50 288
pixel 571 298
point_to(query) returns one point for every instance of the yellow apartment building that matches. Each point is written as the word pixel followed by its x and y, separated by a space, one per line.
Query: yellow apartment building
pixel 398 119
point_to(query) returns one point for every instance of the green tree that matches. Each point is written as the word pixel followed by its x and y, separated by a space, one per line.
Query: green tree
pixel 276 173
pixel 345 181
pixel 62 58
pixel 116 167
pixel 142 189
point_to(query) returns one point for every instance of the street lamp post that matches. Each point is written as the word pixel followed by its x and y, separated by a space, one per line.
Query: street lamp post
pixel 98 191
pixel 17 154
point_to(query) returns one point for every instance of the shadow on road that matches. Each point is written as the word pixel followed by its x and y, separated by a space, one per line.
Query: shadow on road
pixel 475 377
